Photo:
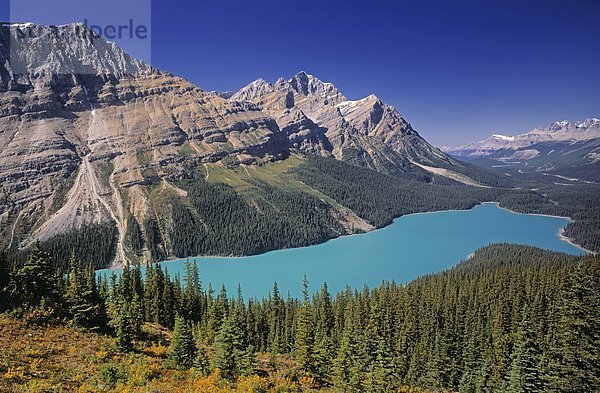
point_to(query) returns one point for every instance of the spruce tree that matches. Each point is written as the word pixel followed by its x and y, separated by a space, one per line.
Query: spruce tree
pixel 217 313
pixel 305 340
pixel 134 235
pixel 36 282
pixel 577 360
pixel 247 364
pixel 4 282
pixel 201 363
pixel 182 352
pixel 226 355
pixel 85 306
pixel 524 374
pixel 123 329
pixel 276 311
pixel 344 365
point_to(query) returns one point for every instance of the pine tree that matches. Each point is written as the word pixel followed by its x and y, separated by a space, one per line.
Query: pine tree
pixel 226 355
pixel 183 350
pixel 36 282
pixel 524 374
pixel 123 329
pixel 577 364
pixel 85 305
pixel 305 340
pixel 201 363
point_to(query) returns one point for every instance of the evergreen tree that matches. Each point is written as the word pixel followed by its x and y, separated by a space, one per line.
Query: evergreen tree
pixel 226 355
pixel 305 341
pixel 276 309
pixel 524 375
pixel 123 329
pixel 345 370
pixel 136 314
pixel 217 313
pixel 183 350
pixel 85 305
pixel 247 364
pixel 201 362
pixel 36 283
pixel 134 235
pixel 577 364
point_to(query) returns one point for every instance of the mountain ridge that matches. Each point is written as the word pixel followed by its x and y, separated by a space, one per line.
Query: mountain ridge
pixel 318 118
pixel 564 130
pixel 562 148
pixel 114 145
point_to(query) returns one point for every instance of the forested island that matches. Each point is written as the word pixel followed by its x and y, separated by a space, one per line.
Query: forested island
pixel 509 319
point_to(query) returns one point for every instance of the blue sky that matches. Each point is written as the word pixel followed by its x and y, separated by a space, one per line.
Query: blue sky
pixel 457 70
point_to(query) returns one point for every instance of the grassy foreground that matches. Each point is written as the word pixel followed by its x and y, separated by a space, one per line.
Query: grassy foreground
pixel 58 358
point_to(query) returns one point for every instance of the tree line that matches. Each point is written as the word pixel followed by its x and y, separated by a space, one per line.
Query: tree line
pixel 380 198
pixel 215 219
pixel 510 319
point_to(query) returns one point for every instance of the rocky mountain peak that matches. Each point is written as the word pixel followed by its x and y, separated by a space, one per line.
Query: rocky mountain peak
pixel 309 85
pixel 255 89
pixel 40 50
pixel 319 119
pixel 562 131
pixel 589 123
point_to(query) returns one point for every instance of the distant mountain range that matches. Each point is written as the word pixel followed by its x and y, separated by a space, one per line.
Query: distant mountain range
pixel 91 135
pixel 561 148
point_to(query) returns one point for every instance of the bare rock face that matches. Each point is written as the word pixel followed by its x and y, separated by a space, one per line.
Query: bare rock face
pixel 87 131
pixel 317 118
pixel 83 124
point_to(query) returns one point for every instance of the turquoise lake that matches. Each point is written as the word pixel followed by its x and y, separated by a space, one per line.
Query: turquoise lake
pixel 413 245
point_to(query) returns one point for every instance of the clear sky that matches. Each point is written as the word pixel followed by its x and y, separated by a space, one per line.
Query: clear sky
pixel 457 70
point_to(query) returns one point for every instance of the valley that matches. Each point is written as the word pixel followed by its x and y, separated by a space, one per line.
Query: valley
pixel 296 234
pixel 400 252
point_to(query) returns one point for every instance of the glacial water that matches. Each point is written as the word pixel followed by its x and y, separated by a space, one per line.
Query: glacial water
pixel 413 245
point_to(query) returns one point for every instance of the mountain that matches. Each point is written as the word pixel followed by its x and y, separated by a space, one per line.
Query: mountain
pixel 105 154
pixel 317 118
pixel 561 148
pixel 84 126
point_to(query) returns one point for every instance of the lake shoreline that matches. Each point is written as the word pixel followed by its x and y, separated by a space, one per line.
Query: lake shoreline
pixel 412 247
pixel 560 235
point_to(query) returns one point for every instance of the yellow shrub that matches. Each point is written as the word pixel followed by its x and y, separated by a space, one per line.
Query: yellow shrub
pixel 35 386
pixel 285 385
pixel 253 384
pixel 306 382
pixel 211 384
pixel 14 373
pixel 158 350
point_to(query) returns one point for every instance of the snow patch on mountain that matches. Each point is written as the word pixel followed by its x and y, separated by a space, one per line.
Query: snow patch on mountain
pixel 560 131
pixel 503 137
